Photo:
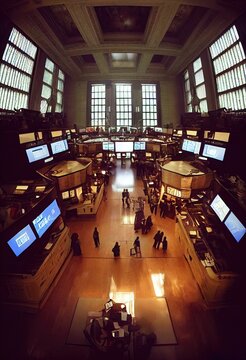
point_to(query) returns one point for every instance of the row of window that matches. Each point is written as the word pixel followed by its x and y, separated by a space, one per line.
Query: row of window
pixel 123 105
pixel 16 70
pixel 229 62
pixel 228 58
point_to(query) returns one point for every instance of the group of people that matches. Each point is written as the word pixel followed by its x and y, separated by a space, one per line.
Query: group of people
pixel 125 198
pixel 167 207
pixel 160 239
pixel 146 224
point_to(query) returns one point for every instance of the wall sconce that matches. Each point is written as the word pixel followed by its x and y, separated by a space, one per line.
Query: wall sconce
pixel 137 109
pixel 108 109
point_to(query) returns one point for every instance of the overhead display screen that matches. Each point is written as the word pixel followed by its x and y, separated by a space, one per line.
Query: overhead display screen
pixel 191 146
pixel 22 240
pixel 46 218
pixel 124 146
pixel 219 207
pixel 37 153
pixel 234 225
pixel 59 146
pixel 139 145
pixel 214 152
pixel 108 146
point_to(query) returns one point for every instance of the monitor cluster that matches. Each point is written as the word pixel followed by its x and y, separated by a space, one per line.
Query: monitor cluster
pixel 37 227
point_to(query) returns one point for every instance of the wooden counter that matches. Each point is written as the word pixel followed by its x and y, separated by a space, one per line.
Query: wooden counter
pixel 183 176
pixel 88 207
pixel 30 291
pixel 218 288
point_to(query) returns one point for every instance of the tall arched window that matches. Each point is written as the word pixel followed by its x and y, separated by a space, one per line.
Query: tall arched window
pixel 229 64
pixel 16 71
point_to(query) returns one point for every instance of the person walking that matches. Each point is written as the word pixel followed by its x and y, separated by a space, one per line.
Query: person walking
pixel 123 197
pixel 116 249
pixel 75 244
pixel 159 240
pixel 164 244
pixel 127 196
pixel 149 224
pixel 96 237
pixel 156 238
pixel 136 246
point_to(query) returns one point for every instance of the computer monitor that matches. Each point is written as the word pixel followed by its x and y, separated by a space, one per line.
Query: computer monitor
pixel 219 207
pixel 124 146
pixel 108 145
pixel 214 152
pixel 234 225
pixel 139 145
pixel 46 218
pixel 59 146
pixel 22 240
pixel 37 153
pixel 108 305
pixel 191 146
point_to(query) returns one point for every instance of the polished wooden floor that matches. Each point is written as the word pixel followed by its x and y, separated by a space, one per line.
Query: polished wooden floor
pixel 202 333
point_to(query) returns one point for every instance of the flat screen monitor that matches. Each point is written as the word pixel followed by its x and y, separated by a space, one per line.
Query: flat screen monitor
pixel 47 217
pixel 178 133
pixel 37 153
pixel 22 240
pixel 27 137
pixel 59 146
pixel 56 133
pixel 214 152
pixel 139 145
pixel 191 132
pixel 219 207
pixel 108 145
pixel 124 146
pixel 234 225
pixel 191 146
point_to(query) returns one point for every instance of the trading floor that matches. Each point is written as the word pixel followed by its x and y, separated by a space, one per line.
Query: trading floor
pixel 201 333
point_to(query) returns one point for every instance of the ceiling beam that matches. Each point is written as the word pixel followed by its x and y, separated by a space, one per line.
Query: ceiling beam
pixel 209 28
pixel 83 21
pixel 159 23
pixel 35 26
pixel 145 60
pixel 82 49
pixel 102 63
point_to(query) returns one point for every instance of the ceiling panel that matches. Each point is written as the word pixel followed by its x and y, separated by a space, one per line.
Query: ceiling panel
pixel 61 22
pixel 148 39
pixel 126 19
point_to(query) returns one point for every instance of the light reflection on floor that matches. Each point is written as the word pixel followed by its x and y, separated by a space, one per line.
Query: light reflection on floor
pixel 124 179
pixel 158 284
pixel 128 219
pixel 126 297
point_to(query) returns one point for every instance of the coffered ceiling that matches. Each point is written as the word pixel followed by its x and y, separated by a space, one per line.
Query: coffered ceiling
pixel 106 39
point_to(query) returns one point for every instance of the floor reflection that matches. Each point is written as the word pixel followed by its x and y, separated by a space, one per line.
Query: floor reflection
pixel 126 297
pixel 158 284
pixel 124 179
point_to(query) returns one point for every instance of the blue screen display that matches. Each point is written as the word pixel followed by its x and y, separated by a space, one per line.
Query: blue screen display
pixel 214 152
pixel 59 146
pixel 22 240
pixel 46 218
pixel 37 153
pixel 234 225
pixel 219 207
pixel 107 145
pixel 139 145
pixel 191 146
